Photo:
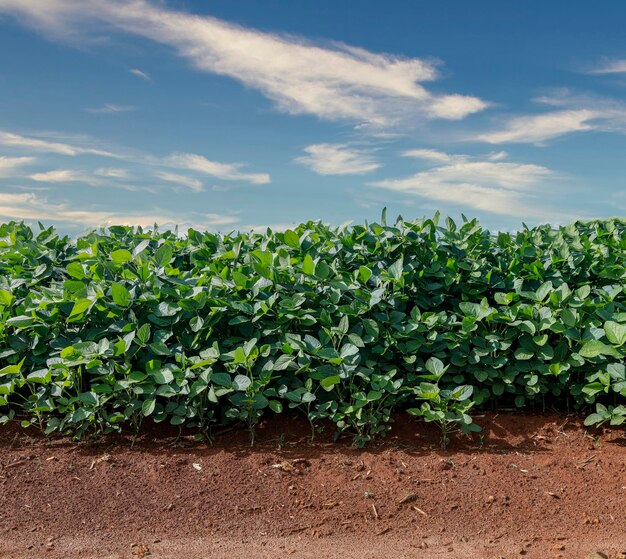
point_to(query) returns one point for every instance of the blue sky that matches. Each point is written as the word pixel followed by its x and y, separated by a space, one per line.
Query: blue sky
pixel 227 115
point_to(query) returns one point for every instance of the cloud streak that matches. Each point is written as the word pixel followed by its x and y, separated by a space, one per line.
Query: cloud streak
pixel 110 108
pixel 534 129
pixel 333 81
pixel 9 166
pixel 224 171
pixel 337 159
pixel 610 67
pixel 65 176
pixel 148 163
pixel 137 72
pixel 483 184
pixel 571 113
pixel 29 206
pixel 183 180
pixel 43 145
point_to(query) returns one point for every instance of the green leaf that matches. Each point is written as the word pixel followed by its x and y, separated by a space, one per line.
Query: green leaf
pixel 163 376
pixel 308 265
pixel 396 269
pixel 435 366
pixel 291 239
pixel 328 383
pixel 615 332
pixel 241 382
pixel 121 295
pixel 75 270
pixel 221 379
pixel 147 408
pixel 276 406
pixel 364 274
pixel 5 297
pixel 121 256
pixel 595 348
pixel 80 307
pixel 462 393
pixel 544 290
pixel 163 255
pixel 143 333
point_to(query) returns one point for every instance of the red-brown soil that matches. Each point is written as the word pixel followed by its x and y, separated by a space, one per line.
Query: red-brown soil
pixel 533 486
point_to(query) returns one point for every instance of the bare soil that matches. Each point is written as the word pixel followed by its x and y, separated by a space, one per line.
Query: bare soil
pixel 532 486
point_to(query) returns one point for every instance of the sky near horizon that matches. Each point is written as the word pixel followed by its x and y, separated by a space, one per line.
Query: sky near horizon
pixel 227 115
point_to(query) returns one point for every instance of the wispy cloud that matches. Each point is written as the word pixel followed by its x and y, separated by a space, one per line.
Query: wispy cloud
pixel 64 176
pixel 225 171
pixel 30 206
pixel 137 72
pixel 112 173
pixel 145 164
pixel 571 112
pixel 95 178
pixel 183 180
pixel 332 81
pixel 338 159
pixel 610 67
pixel 10 165
pixel 533 129
pixel 430 155
pixel 109 108
pixel 48 145
pixel 482 184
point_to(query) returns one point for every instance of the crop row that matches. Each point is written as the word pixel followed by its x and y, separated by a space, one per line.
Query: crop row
pixel 346 324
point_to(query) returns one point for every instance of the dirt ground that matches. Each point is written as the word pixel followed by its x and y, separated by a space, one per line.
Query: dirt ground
pixel 532 486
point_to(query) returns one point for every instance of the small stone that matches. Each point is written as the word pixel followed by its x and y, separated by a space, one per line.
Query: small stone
pixel 597 555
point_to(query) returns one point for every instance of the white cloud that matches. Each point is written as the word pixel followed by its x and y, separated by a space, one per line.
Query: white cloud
pixel 332 81
pixel 109 108
pixel 571 112
pixel 487 185
pixel 110 178
pixel 10 165
pixel 610 67
pixel 337 159
pixel 144 162
pixel 497 155
pixel 64 176
pixel 225 171
pixel 112 173
pixel 189 182
pixel 534 129
pixel 137 72
pixel 429 155
pixel 46 145
pixel 29 206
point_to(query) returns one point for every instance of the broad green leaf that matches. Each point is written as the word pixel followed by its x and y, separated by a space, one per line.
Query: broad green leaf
pixel 328 383
pixel 308 265
pixel 143 333
pixel 5 297
pixel 291 239
pixel 163 255
pixel 148 406
pixel 121 256
pixel 615 332
pixel 595 348
pixel 163 376
pixel 75 270
pixel 121 295
pixel 80 307
pixel 395 270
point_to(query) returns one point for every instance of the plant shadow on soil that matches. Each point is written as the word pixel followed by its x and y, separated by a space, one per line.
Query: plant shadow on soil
pixel 290 437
